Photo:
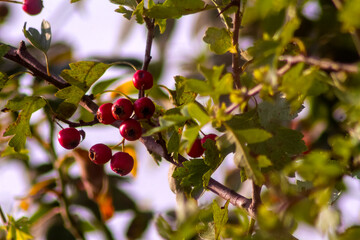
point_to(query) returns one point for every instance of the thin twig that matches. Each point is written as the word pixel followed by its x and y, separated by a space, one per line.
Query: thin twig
pixel 321 63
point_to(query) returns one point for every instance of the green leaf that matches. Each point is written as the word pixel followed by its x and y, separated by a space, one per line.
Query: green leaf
pixel 174 142
pixel 166 122
pixel 242 157
pixel 129 3
pixel 83 74
pixel 350 233
pixel 21 128
pixel 190 175
pixel 349 15
pixel 215 84
pixel 220 215
pixel 125 12
pixel 4 49
pixel 102 86
pixel 163 227
pixel 138 225
pixel 219 40
pixel 194 111
pixel 3 80
pixel 254 135
pixel 138 12
pixel 175 8
pixel 298 84
pixel 18 229
pixel 275 114
pixel 284 144
pixel 212 158
pixel 72 96
pixel 183 94
pixel 39 40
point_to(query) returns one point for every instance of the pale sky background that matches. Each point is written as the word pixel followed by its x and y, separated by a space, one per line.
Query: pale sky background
pixel 94 30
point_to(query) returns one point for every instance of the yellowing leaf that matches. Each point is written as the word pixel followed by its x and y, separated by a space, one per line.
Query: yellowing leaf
pixel 126 88
pixel 130 150
pixel 104 200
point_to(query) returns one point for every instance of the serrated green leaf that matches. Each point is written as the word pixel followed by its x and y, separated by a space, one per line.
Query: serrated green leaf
pixel 72 96
pixel 176 9
pixel 125 12
pixel 194 111
pixel 183 94
pixel 39 40
pixel 219 40
pixel 284 144
pixel 242 157
pixel 84 73
pixel 215 84
pixel 212 158
pixel 190 175
pixel 174 142
pixel 21 128
pixel 3 80
pixel 275 114
pixel 220 215
pixel 4 49
pixel 138 12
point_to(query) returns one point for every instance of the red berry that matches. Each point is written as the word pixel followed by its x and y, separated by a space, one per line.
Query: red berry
pixel 69 138
pixel 122 163
pixel 100 153
pixel 196 149
pixel 122 109
pixel 32 7
pixel 130 129
pixel 142 80
pixel 104 114
pixel 144 108
pixel 209 136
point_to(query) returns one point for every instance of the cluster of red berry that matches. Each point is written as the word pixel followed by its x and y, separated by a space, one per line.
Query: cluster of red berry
pixel 130 129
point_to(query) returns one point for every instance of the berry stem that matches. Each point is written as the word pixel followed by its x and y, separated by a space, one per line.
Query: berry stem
pixel 114 91
pixel 11 1
pixel 124 63
pixel 74 124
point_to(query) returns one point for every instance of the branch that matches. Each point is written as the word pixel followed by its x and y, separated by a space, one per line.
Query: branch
pixel 321 63
pixel 152 146
pixel 236 69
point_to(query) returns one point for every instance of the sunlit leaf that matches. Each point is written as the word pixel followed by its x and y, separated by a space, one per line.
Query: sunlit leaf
pixel 21 128
pixel 219 40
pixel 220 217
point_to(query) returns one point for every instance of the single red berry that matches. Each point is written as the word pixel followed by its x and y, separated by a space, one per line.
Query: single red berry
pixel 104 114
pixel 122 163
pixel 122 109
pixel 100 153
pixel 196 149
pixel 130 129
pixel 69 138
pixel 144 108
pixel 32 7
pixel 143 80
pixel 210 136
